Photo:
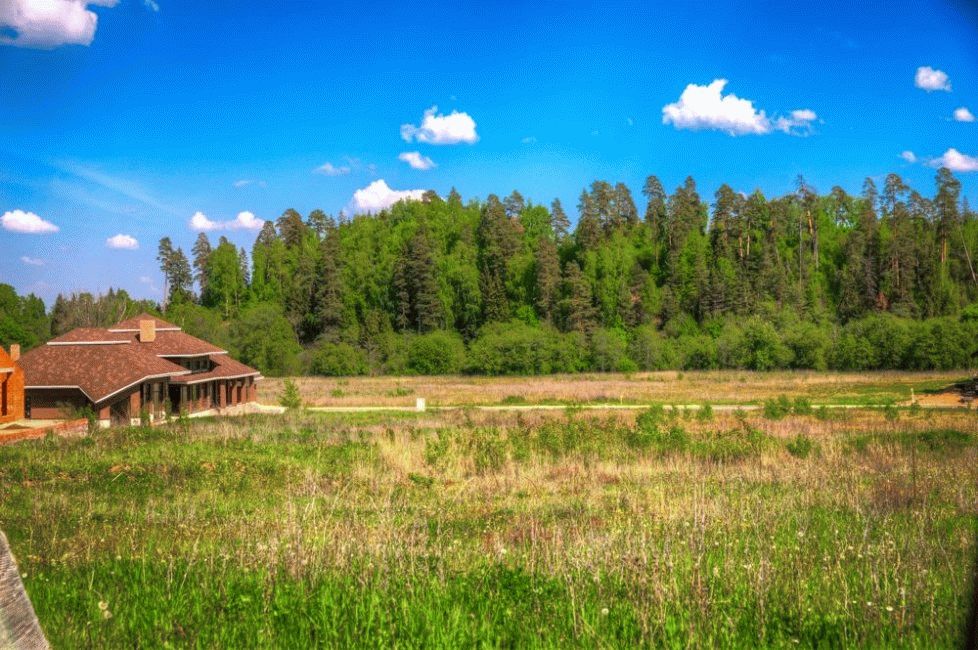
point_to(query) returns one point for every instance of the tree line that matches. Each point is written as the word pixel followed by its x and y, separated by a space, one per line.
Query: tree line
pixel 882 279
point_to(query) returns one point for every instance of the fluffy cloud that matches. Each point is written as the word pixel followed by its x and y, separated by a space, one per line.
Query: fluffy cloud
pixel 26 222
pixel 416 160
pixel 329 169
pixel 909 156
pixel 122 242
pixel 453 128
pixel 32 261
pixel 930 79
pixel 706 107
pixel 49 23
pixel 244 221
pixel 956 161
pixel 962 114
pixel 200 222
pixel 151 5
pixel 378 196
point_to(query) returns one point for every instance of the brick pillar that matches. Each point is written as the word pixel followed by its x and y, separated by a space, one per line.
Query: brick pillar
pixel 105 417
pixel 222 394
pixel 135 404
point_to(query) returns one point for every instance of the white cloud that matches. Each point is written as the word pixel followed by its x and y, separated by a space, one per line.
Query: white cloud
pixel 706 107
pixel 378 196
pixel 26 222
pixel 909 156
pixel 453 128
pixel 245 182
pixel 930 79
pixel 200 222
pixel 244 221
pixel 416 160
pixel 530 139
pixel 962 114
pixel 956 161
pixel 122 242
pixel 329 169
pixel 47 24
pixel 32 261
pixel 151 5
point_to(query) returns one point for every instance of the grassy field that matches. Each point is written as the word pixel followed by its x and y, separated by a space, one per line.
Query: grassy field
pixel 717 387
pixel 464 528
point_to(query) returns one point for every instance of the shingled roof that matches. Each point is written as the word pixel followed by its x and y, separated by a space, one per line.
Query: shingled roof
pixel 104 362
pixel 132 324
pixel 99 371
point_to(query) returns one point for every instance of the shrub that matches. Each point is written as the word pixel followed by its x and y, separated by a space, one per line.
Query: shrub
pixel 263 338
pixel 436 353
pixel 338 360
pixel 777 408
pixel 698 352
pixel 516 348
pixel 801 406
pixel 705 414
pixel 289 398
pixel 800 446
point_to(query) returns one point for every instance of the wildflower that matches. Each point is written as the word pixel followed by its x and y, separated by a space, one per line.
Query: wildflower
pixel 106 615
pixel 604 611
pixel 102 605
pixel 889 608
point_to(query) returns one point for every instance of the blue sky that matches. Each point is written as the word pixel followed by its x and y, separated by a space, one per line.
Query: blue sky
pixel 163 109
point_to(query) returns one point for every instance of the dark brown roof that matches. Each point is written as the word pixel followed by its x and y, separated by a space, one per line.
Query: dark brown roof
pixel 224 367
pixel 132 324
pixel 99 371
pixel 178 344
pixel 91 335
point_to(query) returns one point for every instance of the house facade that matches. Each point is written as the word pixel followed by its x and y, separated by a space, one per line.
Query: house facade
pixel 11 386
pixel 142 366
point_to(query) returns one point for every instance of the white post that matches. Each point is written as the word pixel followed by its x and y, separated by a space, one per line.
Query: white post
pixel 420 405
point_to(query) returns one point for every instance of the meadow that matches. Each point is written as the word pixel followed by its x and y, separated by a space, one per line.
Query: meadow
pixel 782 527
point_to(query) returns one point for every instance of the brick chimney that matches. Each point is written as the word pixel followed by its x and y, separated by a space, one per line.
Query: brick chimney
pixel 147 331
pixel 14 352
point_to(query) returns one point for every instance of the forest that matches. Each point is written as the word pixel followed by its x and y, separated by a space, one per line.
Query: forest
pixel 880 280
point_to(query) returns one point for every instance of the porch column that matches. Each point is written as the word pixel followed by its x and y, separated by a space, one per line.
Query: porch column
pixel 222 394
pixel 135 406
pixel 105 416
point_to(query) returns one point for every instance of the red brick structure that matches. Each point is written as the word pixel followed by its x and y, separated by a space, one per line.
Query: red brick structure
pixel 11 386
pixel 140 366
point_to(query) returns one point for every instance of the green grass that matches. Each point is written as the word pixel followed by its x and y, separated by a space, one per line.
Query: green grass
pixel 340 531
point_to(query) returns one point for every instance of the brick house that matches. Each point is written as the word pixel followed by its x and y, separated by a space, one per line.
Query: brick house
pixel 11 386
pixel 140 365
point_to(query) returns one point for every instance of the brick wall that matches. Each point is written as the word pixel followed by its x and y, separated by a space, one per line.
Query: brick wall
pixel 11 390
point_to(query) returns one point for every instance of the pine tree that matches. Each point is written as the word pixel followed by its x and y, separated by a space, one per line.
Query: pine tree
pixel 577 306
pixel 201 251
pixel 588 234
pixel 547 279
pixel 328 285
pixel 559 221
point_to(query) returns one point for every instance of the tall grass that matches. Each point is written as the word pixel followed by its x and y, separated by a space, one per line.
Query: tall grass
pixel 522 531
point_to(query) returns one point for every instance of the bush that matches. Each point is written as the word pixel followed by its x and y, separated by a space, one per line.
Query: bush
pixel 649 433
pixel 698 352
pixel 776 409
pixel 516 348
pixel 800 446
pixel 290 398
pixel 802 406
pixel 437 353
pixel 338 360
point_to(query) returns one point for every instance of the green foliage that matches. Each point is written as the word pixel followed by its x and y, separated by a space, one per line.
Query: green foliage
pixel 800 446
pixel 777 408
pixel 263 338
pixel 516 348
pixel 290 398
pixel 338 360
pixel 436 353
